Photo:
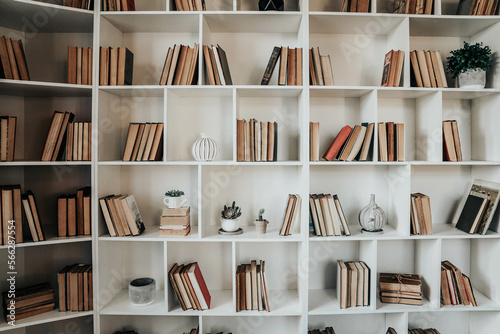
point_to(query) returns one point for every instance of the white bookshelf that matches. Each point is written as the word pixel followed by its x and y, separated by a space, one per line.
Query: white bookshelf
pixel 301 268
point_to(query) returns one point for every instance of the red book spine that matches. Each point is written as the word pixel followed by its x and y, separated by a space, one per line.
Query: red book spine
pixel 337 143
pixel 202 284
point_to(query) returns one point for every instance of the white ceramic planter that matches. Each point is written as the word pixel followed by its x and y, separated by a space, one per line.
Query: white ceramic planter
pixel 205 149
pixel 175 202
pixel 472 79
pixel 142 291
pixel 230 225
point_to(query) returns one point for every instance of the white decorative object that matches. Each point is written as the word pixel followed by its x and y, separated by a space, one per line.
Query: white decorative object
pixel 230 225
pixel 175 202
pixel 205 148
pixel 472 79
pixel 142 291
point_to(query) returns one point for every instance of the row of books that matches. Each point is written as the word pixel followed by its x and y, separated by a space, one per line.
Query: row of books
pixel 291 214
pixel 189 286
pixel 351 143
pixel 456 287
pixel 117 5
pixel 10 210
pixel 175 221
pixel 73 213
pixel 181 66
pixel 327 330
pixel 121 215
pixel 353 6
pixel 420 214
pixel 391 141
pixel 251 287
pixel 144 142
pixel 256 141
pixel 353 284
pixel 400 289
pixel 28 302
pixel 190 5
pixel 216 65
pixel 393 67
pixel 116 66
pixel 8 126
pixel 12 60
pixel 67 140
pixel 413 6
pixel 327 216
pixel 320 68
pixel 452 149
pixel 75 288
pixel 477 7
pixel 423 331
pixel 290 72
pixel 428 69
pixel 80 65
pixel 82 4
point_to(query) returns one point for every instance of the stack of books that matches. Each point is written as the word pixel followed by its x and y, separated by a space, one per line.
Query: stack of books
pixel 393 67
pixel 353 284
pixel 320 68
pixel 217 67
pixel 32 216
pixel 82 4
pixel 121 215
pixel 67 140
pixel 477 7
pixel 351 143
pixel 181 66
pixel 391 141
pixel 292 212
pixel 428 70
pixel 73 213
pixel 175 222
pixel 10 210
pixel 190 5
pixel 75 288
pixel 476 210
pixel 456 288
pixel 452 149
pixel 420 214
pixel 190 287
pixel 251 287
pixel 256 141
pixel 413 7
pixel 144 142
pixel 7 138
pixel 12 60
pixel 80 65
pixel 116 66
pixel 391 330
pixel 327 215
pixel 28 302
pixel 353 6
pixel 424 331
pixel 196 331
pixel 327 330
pixel 117 5
pixel 290 72
pixel 400 289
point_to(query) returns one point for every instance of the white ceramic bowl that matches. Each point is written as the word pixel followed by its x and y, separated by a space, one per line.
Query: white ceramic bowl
pixel 230 225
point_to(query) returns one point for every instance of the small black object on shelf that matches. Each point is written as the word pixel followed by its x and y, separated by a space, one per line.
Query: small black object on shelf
pixel 271 5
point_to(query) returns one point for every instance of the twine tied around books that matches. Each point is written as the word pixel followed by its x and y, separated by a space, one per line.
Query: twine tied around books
pixel 399 278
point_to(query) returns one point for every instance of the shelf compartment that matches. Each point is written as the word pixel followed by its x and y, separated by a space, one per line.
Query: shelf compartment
pixel 150 324
pixel 460 322
pixel 52 241
pixel 50 321
pixel 43 89
pixel 450 26
pixel 360 323
pixel 254 22
pixel 250 5
pixel 327 6
pixel 221 304
pixel 250 235
pixel 121 305
pixel 244 323
pixel 151 235
pixel 152 22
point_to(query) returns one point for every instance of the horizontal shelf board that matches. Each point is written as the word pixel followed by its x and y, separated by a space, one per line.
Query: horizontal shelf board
pixel 197 163
pixel 135 90
pixel 412 163
pixel 221 304
pixel 404 92
pixel 120 305
pixel 254 22
pixel 151 235
pixel 448 231
pixel 201 91
pixel 390 233
pixel 450 25
pixel 358 163
pixel 267 91
pixel 44 318
pixel 281 303
pixel 458 163
pixel 52 241
pixel 250 235
pixel 46 163
pixel 23 15
pixel 324 302
pixel 483 304
pixel 40 88
pixel 359 23
pixel 467 94
pixel 165 22
pixel 339 91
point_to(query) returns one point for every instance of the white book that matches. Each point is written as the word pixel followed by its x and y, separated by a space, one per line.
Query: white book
pixel 196 287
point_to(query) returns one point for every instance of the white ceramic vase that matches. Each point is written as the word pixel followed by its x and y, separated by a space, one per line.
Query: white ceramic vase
pixel 205 149
pixel 175 202
pixel 230 225
pixel 472 79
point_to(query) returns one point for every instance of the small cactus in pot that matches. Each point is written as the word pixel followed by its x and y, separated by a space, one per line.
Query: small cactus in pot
pixel 230 217
pixel 261 223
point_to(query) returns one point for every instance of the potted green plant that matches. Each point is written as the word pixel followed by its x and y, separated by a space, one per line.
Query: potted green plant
pixel 469 64
pixel 173 199
pixel 230 218
pixel 261 223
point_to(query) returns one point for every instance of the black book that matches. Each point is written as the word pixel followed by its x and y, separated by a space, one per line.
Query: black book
pixel 464 7
pixel 129 66
pixel 275 156
pixel 225 65
pixel 473 210
pixel 271 65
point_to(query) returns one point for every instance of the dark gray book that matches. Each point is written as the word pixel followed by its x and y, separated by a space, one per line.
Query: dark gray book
pixel 225 65
pixel 129 66
pixel 464 7
pixel 271 65
pixel 472 211
pixel 275 157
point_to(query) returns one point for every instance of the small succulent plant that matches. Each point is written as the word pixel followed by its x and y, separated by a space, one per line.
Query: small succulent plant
pixel 261 212
pixel 231 212
pixel 174 193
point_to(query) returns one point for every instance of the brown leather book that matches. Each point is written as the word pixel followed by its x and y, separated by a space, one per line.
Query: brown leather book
pixel 382 142
pixel 180 65
pixel 312 70
pixel 248 288
pixel 283 66
pixel 69 142
pixel 102 67
pixel 242 301
pixel 12 59
pixel 120 214
pixel 85 142
pixel 149 142
pixel 18 216
pixel 137 142
pixel 252 140
pixel 11 138
pixel 36 216
pixel 292 60
pixel 218 80
pixel 238 288
pixel 85 64
pixel 208 65
pixel 456 140
pixel 193 68
pixel 7 213
pixel 21 59
pixel 390 141
pixel 157 148
pixel 437 72
pixel 78 66
pixel 80 141
pixel 89 67
pixel 270 141
pixel 68 117
pixel 240 141
pixel 265 137
pixel 73 274
pixel 113 67
pixel 400 142
pixel 4 58
pixel 166 67
pixel 424 69
pixel 430 68
pixel 133 130
pixel 441 68
pixel 72 215
pixel 326 66
pixel 318 66
pixel 449 151
pixel 353 8
pixel 62 215
pixel 4 138
pixel 50 142
pixel 144 139
pixel 187 66
pixel 175 287
pixel 416 68
pixel 76 136
pixel 61 283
